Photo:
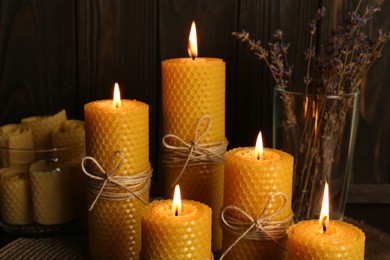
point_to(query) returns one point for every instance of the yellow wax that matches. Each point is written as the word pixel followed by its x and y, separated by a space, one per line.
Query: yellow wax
pixel 190 90
pixel 249 183
pixel 186 236
pixel 71 135
pixel 306 240
pixel 41 127
pixel 15 197
pixel 115 226
pixel 51 196
pixel 16 138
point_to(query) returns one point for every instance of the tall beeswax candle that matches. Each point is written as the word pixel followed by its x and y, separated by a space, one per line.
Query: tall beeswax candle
pixel 249 183
pixel 176 234
pixel 325 239
pixel 192 88
pixel 115 226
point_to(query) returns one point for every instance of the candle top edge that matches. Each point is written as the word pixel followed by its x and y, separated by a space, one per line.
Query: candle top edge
pixel 192 61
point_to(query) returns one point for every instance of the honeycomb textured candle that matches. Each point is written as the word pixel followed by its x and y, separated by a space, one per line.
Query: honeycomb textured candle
pixel 190 90
pixel 166 236
pixel 51 196
pixel 17 137
pixel 249 183
pixel 115 226
pixel 15 197
pixel 340 241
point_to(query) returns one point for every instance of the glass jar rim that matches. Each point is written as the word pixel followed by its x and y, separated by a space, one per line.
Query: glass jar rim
pixel 55 149
pixel 328 96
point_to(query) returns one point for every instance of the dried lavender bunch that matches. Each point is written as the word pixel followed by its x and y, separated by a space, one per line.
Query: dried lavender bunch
pixel 340 65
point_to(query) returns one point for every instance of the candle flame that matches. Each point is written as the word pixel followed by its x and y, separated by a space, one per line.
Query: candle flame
pixel 324 216
pixel 193 42
pixel 117 97
pixel 259 149
pixel 176 204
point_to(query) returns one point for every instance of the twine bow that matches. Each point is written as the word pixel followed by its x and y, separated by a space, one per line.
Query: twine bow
pixel 110 184
pixel 255 229
pixel 193 153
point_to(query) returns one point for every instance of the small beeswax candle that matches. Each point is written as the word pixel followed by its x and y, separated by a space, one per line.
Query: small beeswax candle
pixel 51 196
pixel 15 197
pixel 176 234
pixel 325 239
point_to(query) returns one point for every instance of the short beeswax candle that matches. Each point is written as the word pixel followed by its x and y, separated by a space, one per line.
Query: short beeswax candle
pixel 176 234
pixel 250 180
pixel 192 88
pixel 15 197
pixel 115 226
pixel 325 239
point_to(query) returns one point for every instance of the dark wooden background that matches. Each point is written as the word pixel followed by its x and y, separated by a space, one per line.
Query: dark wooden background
pixel 58 54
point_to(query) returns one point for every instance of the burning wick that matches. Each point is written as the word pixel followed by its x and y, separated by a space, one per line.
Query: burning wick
pixel 323 223
pixel 177 213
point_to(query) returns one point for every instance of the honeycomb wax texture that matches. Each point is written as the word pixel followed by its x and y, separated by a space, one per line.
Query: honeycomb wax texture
pixel 115 226
pixel 190 90
pixel 15 197
pixel 51 196
pixel 16 137
pixel 186 236
pixel 249 183
pixel 41 127
pixel 306 240
pixel 70 135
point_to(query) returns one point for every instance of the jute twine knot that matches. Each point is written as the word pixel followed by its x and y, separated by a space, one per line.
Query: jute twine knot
pixel 259 229
pixel 193 153
pixel 106 185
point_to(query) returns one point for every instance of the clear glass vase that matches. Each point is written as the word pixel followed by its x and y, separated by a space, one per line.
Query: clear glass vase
pixel 319 131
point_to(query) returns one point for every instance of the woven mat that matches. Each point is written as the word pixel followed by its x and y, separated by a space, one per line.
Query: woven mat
pixel 377 242
pixel 60 247
pixel 76 246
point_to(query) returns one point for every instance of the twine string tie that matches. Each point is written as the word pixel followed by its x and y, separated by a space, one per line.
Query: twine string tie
pixel 193 153
pixel 256 229
pixel 108 181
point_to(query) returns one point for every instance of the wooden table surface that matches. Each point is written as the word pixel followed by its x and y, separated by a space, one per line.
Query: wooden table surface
pixel 75 245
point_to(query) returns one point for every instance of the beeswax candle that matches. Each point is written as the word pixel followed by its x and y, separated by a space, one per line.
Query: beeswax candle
pixel 325 239
pixel 51 196
pixel 17 139
pixel 249 183
pixel 71 135
pixel 41 127
pixel 15 197
pixel 185 236
pixel 192 88
pixel 115 226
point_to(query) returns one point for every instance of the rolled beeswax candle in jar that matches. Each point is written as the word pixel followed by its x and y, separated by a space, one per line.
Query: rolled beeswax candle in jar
pixel 191 89
pixel 249 183
pixel 15 142
pixel 51 196
pixel 41 127
pixel 15 197
pixel 115 225
pixel 186 235
pixel 70 135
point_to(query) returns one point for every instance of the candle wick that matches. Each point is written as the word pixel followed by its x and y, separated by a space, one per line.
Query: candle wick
pixel 176 212
pixel 323 224
pixel 193 57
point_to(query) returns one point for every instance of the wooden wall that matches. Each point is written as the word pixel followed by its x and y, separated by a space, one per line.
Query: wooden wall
pixel 58 54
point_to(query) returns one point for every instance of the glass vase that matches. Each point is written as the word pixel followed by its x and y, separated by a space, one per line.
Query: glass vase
pixel 319 131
